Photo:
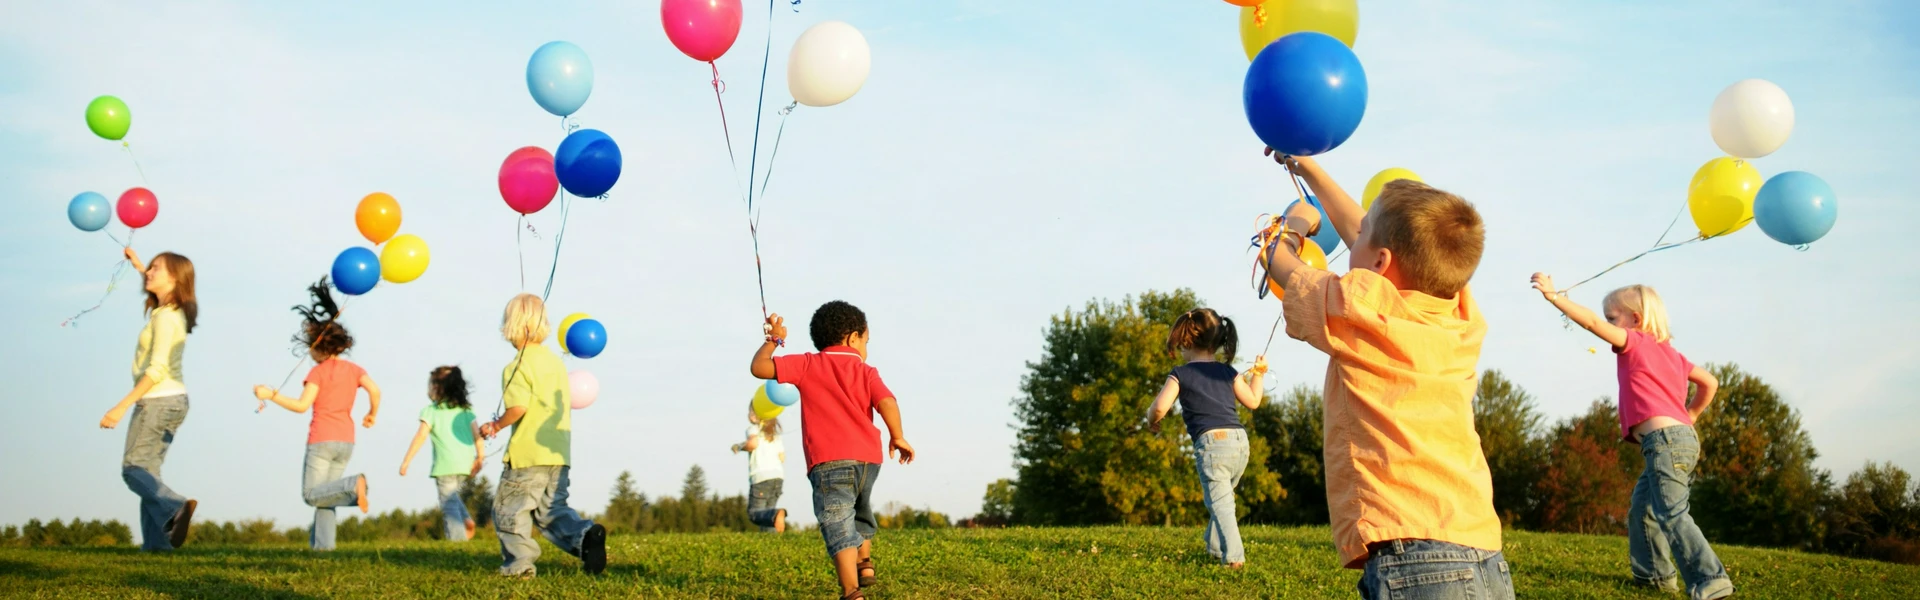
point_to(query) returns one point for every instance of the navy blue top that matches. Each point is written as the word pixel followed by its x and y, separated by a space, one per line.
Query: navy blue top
pixel 1206 397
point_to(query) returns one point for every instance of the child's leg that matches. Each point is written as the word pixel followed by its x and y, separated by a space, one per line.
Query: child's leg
pixel 561 524
pixel 453 509
pixel 149 435
pixel 865 524
pixel 521 492
pixel 1674 451
pixel 761 498
pixel 1647 554
pixel 1221 457
pixel 836 490
pixel 325 488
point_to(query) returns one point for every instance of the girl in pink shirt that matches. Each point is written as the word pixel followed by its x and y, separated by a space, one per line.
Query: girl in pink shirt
pixel 1656 413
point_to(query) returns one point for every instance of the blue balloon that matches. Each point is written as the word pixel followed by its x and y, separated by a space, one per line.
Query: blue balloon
pixel 782 394
pixel 1795 208
pixel 560 77
pixel 587 163
pixel 356 271
pixel 89 211
pixel 1305 93
pixel 586 338
pixel 1328 238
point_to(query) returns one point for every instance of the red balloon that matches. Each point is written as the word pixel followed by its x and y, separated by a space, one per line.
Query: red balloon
pixel 527 181
pixel 138 207
pixel 703 29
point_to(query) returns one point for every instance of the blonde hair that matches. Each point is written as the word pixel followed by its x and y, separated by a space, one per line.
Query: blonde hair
pixel 525 321
pixel 1436 237
pixel 1643 301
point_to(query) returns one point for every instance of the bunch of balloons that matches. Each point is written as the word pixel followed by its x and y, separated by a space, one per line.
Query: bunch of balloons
pixel 1305 92
pixel 582 335
pixel 773 397
pixel 109 118
pixel 1751 119
pixel 402 259
pixel 587 164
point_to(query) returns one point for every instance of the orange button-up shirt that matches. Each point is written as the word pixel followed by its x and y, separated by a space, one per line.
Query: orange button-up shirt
pixel 1403 460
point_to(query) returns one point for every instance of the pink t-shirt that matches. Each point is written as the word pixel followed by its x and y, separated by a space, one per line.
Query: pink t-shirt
pixel 838 395
pixel 1653 382
pixel 339 383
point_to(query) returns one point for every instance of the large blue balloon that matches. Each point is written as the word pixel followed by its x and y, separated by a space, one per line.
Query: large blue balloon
pixel 1795 208
pixel 782 394
pixel 560 77
pixel 1305 93
pixel 586 338
pixel 587 163
pixel 89 211
pixel 356 271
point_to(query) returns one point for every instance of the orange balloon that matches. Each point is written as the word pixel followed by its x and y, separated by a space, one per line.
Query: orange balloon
pixel 378 217
pixel 1311 254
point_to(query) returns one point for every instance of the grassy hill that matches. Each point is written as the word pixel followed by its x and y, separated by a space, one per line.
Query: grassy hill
pixel 1103 562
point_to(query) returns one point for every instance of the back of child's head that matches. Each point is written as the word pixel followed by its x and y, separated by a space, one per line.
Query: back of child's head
pixel 1204 330
pixel 1436 237
pixel 769 428
pixel 448 387
pixel 525 320
pixel 321 333
pixel 834 322
pixel 1640 300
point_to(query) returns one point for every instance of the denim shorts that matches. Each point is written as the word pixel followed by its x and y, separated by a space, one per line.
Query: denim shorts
pixel 842 502
pixel 1432 569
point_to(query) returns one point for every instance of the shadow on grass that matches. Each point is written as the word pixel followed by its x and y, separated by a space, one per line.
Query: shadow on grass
pixel 29 570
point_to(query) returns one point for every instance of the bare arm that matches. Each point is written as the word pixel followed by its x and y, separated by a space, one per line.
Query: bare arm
pixel 134 257
pixel 1163 403
pixel 307 395
pixel 373 398
pixel 1248 388
pixel 479 450
pixel 1586 319
pixel 140 389
pixel 418 439
pixel 898 446
pixel 1705 385
pixel 506 420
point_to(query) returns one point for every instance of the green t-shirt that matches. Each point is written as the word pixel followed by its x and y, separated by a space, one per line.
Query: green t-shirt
pixel 451 430
pixel 544 435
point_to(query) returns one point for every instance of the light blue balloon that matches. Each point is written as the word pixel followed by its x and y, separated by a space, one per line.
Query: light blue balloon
pixel 560 77
pixel 1795 208
pixel 89 211
pixel 782 394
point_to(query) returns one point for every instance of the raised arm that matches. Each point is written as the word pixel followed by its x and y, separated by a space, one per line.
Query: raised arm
pixel 1586 319
pixel 1249 387
pixel 1341 209
pixel 762 367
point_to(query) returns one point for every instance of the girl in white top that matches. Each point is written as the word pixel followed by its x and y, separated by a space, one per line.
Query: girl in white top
pixel 766 457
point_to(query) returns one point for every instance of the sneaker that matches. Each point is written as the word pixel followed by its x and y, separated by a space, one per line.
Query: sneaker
pixel 593 550
pixel 181 523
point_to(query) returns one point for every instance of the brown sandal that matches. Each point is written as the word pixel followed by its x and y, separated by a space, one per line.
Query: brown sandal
pixel 854 595
pixel 865 579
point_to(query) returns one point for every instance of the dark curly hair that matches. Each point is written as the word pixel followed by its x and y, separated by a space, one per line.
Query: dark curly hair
pixel 833 322
pixel 448 387
pixel 322 332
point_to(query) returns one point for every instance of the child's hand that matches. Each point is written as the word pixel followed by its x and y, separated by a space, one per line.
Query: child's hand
pixel 1153 427
pixel 477 461
pixel 1260 365
pixel 403 470
pixel 367 422
pixel 262 392
pixel 113 417
pixel 1544 283
pixel 1291 163
pixel 901 450
pixel 775 328
pixel 488 429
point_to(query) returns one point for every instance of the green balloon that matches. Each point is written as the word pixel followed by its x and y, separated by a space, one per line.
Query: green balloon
pixel 107 116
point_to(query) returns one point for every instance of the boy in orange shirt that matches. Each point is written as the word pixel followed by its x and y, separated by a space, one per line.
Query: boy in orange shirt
pixel 1408 489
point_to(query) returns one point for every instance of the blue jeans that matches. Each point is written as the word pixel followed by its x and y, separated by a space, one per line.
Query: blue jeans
pixel 453 508
pixel 843 502
pixel 1220 455
pixel 1659 529
pixel 323 488
pixel 149 434
pixel 1434 570
pixel 761 500
pixel 531 497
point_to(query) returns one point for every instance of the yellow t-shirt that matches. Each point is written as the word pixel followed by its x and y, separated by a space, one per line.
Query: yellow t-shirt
pixel 1402 458
pixel 544 435
pixel 162 343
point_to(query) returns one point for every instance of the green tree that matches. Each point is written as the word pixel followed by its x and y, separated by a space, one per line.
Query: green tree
pixel 625 508
pixel 1292 426
pixel 1756 483
pixel 997 506
pixel 477 493
pixel 1510 435
pixel 1588 480
pixel 1082 451
pixel 1876 513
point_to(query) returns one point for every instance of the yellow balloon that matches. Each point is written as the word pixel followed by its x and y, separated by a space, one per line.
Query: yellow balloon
pixel 1380 181
pixel 404 259
pixel 568 322
pixel 1721 196
pixel 763 406
pixel 1337 18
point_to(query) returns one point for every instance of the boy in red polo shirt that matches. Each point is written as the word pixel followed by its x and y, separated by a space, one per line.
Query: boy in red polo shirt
pixel 840 392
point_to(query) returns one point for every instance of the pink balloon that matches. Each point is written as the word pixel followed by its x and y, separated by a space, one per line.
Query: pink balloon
pixel 527 182
pixel 138 207
pixel 585 389
pixel 703 29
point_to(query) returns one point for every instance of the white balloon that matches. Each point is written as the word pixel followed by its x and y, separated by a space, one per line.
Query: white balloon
pixel 828 64
pixel 1751 118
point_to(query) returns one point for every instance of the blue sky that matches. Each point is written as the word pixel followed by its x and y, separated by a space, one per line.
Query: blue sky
pixel 1005 161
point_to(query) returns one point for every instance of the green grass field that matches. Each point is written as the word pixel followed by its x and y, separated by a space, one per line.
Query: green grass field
pixel 1105 562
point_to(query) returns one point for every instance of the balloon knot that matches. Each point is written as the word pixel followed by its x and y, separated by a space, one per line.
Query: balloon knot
pixel 796 5
pixel 719 87
pixel 789 109
pixel 1260 16
pixel 1802 247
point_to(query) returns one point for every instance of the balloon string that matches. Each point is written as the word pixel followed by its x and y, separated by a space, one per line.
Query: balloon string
pixel 301 359
pixel 1657 247
pixel 753 164
pixel 772 156
pixel 112 282
pixel 136 162
pixel 520 252
pixel 720 87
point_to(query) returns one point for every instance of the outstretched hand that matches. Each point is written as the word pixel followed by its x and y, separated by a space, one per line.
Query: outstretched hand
pixel 1544 283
